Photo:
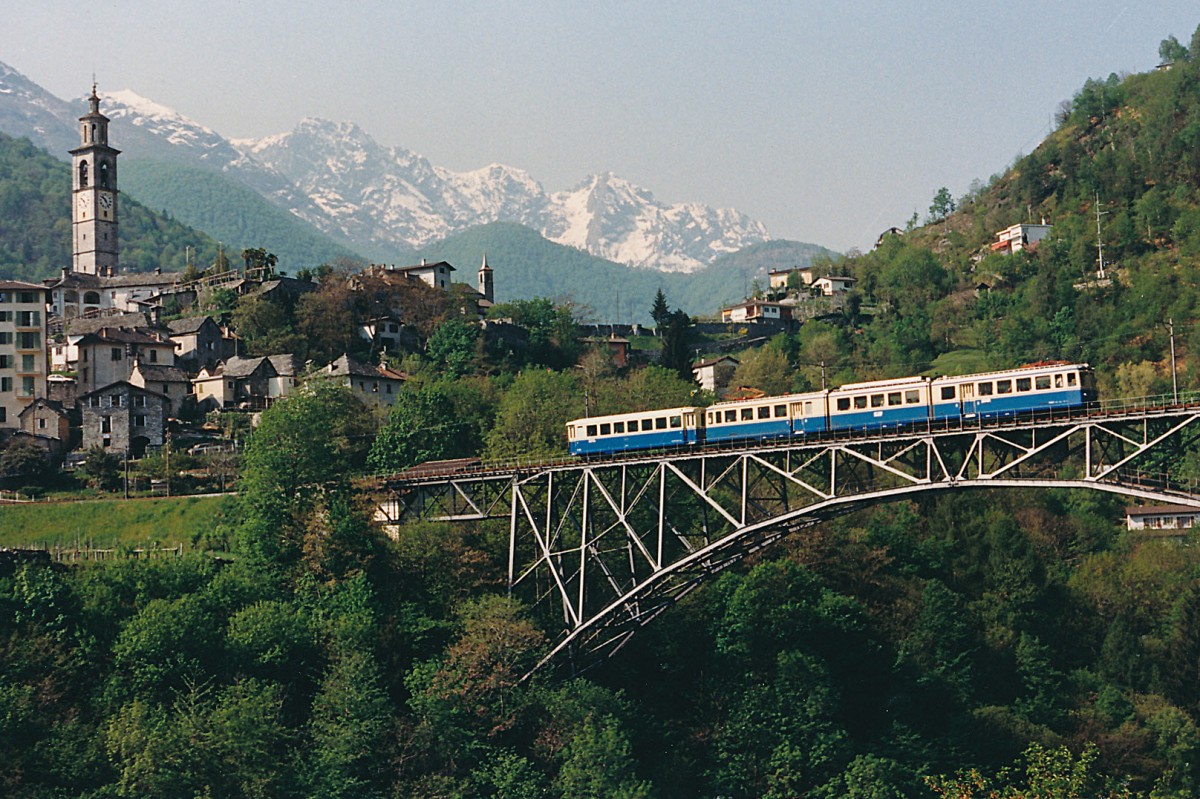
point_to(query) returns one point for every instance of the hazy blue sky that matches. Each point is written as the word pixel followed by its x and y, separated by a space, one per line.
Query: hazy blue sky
pixel 827 121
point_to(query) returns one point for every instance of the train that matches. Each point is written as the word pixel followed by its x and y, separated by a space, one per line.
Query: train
pixel 874 405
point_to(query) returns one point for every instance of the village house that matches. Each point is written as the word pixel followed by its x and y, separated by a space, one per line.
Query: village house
pixel 1019 237
pixel 616 347
pixel 124 418
pixel 715 374
pixel 288 370
pixel 374 383
pixel 198 341
pixel 756 311
pixel 170 381
pixel 23 361
pixel 235 383
pixel 832 285
pixel 779 277
pixel 46 418
pixel 1161 517
pixel 107 356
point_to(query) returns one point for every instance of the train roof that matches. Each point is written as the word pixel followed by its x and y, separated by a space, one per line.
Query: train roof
pixel 895 381
pixel 771 398
pixel 1031 368
pixel 616 417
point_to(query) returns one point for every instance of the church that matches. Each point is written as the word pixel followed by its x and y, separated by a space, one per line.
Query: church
pixel 93 285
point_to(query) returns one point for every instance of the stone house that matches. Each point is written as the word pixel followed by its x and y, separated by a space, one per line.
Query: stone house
pixel 46 418
pixel 235 383
pixel 123 417
pixel 374 383
pixel 107 356
pixel 171 381
pixel 198 342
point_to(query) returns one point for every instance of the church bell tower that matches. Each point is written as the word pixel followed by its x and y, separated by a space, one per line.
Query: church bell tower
pixel 94 195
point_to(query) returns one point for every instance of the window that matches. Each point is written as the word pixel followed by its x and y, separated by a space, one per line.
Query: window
pixel 1070 378
pixel 29 341
pixel 106 424
pixel 676 422
pixel 1024 384
pixel 843 403
pixel 876 400
pixel 747 414
pixel 985 389
pixel 1058 381
pixel 764 412
pixel 27 363
pixel 893 399
pixel 29 318
pixel 6 337
pixel 153 356
pixel 731 416
pixel 591 430
pixel 5 361
pixel 606 429
pixel 1042 383
pixel 41 424
pixel 647 425
pixel 5 384
pixel 26 387
pixel 860 402
pixel 780 411
pixel 139 420
pixel 116 353
pixel 912 396
pixel 3 414
pixel 28 297
pixel 1003 386
pixel 660 423
pixel 139 401
pixel 618 427
pixel 6 316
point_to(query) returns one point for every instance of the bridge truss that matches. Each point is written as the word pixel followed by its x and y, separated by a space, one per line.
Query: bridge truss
pixel 604 547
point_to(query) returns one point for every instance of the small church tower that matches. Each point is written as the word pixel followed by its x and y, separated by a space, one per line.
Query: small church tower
pixel 94 196
pixel 486 286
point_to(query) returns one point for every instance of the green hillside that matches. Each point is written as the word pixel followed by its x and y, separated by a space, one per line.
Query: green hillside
pixel 528 265
pixel 35 223
pixel 228 212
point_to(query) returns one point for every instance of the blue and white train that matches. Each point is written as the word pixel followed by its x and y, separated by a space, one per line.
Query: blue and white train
pixel 874 405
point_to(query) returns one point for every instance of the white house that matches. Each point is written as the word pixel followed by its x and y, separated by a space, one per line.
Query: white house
pixel 1018 237
pixel 1161 517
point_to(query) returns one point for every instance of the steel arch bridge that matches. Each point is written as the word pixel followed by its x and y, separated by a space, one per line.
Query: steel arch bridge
pixel 607 546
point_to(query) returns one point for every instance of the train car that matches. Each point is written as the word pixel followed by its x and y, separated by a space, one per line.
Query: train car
pixel 1044 386
pixel 670 427
pixel 765 417
pixel 879 404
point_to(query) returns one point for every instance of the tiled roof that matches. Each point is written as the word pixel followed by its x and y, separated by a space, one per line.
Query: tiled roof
pixel 238 366
pixel 192 324
pixel 162 374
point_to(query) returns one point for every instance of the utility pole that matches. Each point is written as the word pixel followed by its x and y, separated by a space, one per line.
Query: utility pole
pixel 1099 239
pixel 1174 377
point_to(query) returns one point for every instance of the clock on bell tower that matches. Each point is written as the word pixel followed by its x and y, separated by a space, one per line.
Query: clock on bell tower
pixel 94 183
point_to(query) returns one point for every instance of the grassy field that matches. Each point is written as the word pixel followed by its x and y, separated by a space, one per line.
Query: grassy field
pixel 111 523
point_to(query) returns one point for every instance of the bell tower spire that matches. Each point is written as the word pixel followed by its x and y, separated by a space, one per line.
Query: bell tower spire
pixel 94 195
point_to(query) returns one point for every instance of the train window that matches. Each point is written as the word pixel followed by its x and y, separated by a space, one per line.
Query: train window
pixel 591 431
pixel 843 403
pixel 1024 384
pixel 764 412
pixel 1070 378
pixel 647 424
pixel 947 392
pixel 618 427
pixel 660 423
pixel 747 414
pixel 984 390
pixel 711 416
pixel 860 402
pixel 894 399
pixel 676 422
pixel 1042 382
pixel 780 411
pixel 876 400
pixel 1058 382
pixel 731 416
pixel 912 396
pixel 606 429
pixel 1003 386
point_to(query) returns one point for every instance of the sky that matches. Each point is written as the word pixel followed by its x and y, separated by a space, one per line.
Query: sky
pixel 828 122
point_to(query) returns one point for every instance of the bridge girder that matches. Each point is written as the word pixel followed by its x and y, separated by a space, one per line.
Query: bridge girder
pixel 605 547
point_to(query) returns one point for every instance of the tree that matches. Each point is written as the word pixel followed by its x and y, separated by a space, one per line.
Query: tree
pixel 659 311
pixel 349 726
pixel 943 205
pixel 102 469
pixel 429 422
pixel 258 258
pixel 1047 774
pixel 766 369
pixel 531 420
pixel 1171 51
pixel 676 355
pixel 452 347
pixel 598 764
pixel 23 461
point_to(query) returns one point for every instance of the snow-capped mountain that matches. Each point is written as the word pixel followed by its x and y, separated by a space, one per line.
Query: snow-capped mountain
pixel 383 195
pixel 338 179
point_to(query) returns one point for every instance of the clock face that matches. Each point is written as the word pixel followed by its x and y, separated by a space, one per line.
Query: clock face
pixel 106 201
pixel 85 202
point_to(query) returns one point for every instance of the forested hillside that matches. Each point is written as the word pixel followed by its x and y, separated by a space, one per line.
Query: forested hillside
pixel 1007 644
pixel 35 221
